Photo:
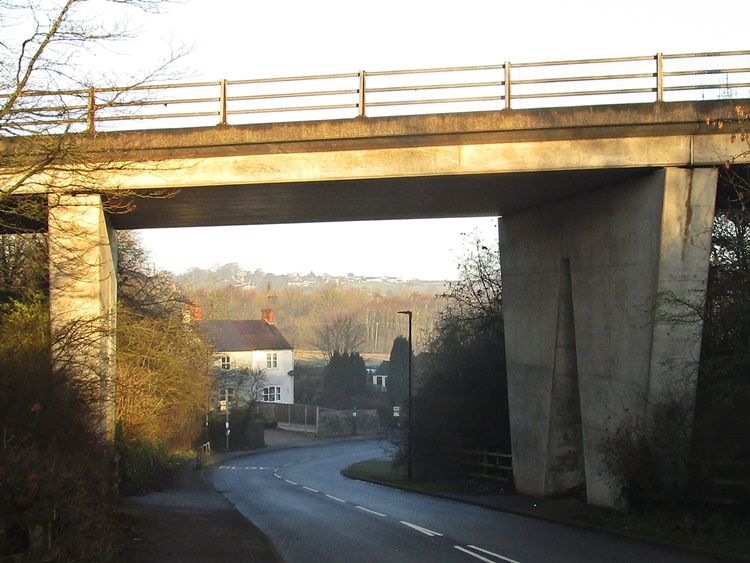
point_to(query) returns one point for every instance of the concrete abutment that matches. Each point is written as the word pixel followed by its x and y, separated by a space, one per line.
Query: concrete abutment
pixel 589 341
pixel 83 295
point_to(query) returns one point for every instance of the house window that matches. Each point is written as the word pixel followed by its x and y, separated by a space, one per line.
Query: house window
pixel 225 362
pixel 272 360
pixel 271 394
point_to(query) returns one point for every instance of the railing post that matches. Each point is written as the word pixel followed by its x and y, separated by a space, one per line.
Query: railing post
pixel 91 111
pixel 362 93
pixel 659 77
pixel 223 102
pixel 507 85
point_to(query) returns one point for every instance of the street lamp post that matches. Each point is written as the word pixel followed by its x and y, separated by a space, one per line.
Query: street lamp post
pixel 408 454
pixel 226 410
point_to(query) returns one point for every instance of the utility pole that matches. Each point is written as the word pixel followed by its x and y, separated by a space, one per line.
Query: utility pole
pixel 225 406
pixel 409 450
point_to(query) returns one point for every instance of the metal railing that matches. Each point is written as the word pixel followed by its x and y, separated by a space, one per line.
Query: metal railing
pixel 647 79
pixel 203 453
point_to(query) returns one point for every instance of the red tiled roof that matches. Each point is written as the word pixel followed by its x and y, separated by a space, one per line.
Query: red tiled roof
pixel 238 336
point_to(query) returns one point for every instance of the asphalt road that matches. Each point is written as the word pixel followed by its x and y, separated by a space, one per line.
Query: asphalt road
pixel 310 512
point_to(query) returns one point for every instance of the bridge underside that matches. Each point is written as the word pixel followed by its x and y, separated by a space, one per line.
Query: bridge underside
pixel 361 200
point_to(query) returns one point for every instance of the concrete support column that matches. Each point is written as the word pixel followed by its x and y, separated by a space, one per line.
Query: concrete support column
pixel 587 347
pixel 83 295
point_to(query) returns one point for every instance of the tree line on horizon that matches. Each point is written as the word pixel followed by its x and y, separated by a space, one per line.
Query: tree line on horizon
pixel 308 317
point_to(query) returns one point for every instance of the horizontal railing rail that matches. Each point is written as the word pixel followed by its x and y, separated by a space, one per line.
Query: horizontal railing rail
pixel 644 79
pixel 203 453
pixel 486 464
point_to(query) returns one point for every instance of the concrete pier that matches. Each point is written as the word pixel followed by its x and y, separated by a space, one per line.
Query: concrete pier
pixel 587 347
pixel 83 294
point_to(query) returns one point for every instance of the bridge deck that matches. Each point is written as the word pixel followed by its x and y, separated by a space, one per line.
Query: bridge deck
pixel 449 165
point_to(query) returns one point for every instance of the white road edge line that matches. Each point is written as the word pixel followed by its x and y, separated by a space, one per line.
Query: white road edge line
pixel 493 554
pixel 370 511
pixel 425 531
pixel 277 475
pixel 337 499
pixel 290 482
pixel 475 555
pixel 309 489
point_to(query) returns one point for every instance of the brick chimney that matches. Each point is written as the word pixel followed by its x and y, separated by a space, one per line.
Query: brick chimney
pixel 194 312
pixel 267 315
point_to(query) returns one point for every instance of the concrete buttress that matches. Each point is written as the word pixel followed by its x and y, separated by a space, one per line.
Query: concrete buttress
pixel 589 339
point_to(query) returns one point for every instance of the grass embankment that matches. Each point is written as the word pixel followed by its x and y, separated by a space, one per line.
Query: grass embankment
pixel 712 532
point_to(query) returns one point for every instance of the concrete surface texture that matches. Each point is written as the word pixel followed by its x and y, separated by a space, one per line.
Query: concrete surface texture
pixel 466 164
pixel 83 289
pixel 586 349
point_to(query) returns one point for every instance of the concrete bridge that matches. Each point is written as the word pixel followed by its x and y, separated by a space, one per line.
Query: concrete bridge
pixel 603 210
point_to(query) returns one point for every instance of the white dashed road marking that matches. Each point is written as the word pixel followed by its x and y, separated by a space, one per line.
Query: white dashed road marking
pixel 482 558
pixel 370 511
pixel 425 531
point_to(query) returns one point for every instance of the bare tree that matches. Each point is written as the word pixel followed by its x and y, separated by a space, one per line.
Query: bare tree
pixel 140 286
pixel 53 165
pixel 163 381
pixel 342 333
pixel 45 98
pixel 477 295
pixel 246 384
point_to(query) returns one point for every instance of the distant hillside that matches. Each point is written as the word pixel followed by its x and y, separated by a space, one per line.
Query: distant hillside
pixel 234 275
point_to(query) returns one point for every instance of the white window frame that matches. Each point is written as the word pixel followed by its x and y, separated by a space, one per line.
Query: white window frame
pixel 272 360
pixel 272 394
pixel 226 362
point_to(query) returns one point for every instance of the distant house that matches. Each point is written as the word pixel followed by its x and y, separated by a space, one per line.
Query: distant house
pixel 259 346
pixel 380 377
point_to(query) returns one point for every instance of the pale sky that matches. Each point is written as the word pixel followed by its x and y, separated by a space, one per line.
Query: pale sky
pixel 240 39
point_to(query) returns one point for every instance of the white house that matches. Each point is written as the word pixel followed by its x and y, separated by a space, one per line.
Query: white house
pixel 259 346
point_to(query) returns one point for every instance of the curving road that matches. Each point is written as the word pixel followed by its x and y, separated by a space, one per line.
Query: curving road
pixel 310 512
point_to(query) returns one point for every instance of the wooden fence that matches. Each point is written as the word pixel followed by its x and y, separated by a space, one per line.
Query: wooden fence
pixel 724 482
pixel 304 417
pixel 485 464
